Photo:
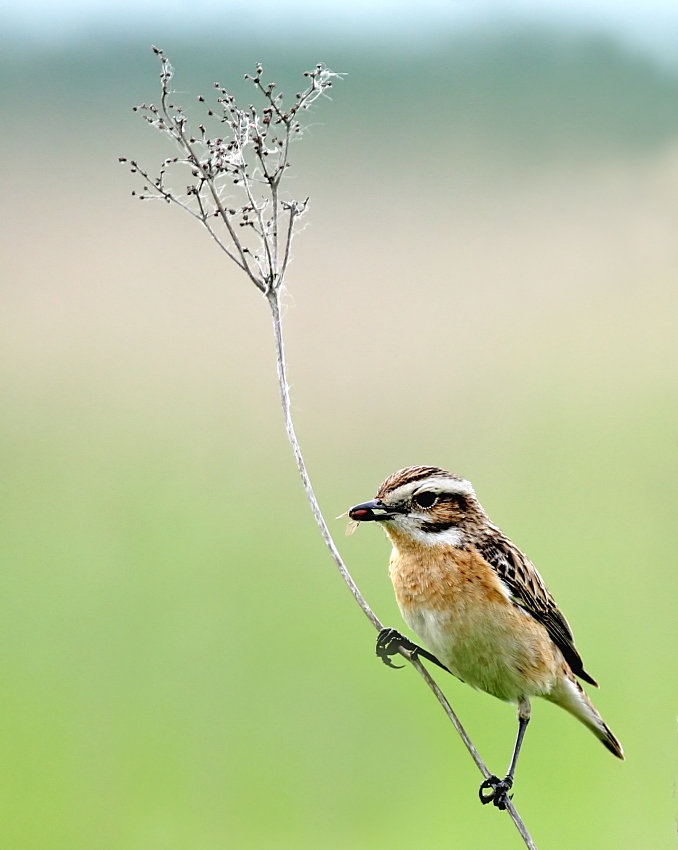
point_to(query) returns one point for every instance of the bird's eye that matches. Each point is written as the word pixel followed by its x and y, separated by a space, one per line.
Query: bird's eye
pixel 425 499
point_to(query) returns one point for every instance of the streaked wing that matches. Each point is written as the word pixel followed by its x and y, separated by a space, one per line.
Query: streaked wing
pixel 528 590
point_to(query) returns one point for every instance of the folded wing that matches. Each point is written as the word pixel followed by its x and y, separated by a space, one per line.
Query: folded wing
pixel 529 592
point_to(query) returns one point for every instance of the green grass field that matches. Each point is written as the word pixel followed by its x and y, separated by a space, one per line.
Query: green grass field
pixel 181 667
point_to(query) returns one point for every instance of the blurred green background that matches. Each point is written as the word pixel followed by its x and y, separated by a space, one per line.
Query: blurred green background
pixel 487 282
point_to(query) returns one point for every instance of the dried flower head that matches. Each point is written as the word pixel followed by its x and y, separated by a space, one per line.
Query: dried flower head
pixel 234 173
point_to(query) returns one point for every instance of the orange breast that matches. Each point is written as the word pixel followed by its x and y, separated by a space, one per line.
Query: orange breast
pixel 443 578
pixel 454 601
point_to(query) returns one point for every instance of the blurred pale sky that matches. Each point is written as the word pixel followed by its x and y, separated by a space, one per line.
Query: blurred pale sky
pixel 648 24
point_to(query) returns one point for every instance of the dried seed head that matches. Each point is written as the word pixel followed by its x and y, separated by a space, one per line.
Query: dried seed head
pixel 251 160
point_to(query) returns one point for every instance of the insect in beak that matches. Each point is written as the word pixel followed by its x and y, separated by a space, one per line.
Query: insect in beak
pixel 352 527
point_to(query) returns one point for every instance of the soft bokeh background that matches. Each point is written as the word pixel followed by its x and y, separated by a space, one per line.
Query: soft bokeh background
pixel 487 282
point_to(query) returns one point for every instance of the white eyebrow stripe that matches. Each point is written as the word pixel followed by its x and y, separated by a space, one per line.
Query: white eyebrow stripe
pixel 454 486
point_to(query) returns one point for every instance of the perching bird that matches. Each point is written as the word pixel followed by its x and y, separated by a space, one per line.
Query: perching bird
pixel 477 602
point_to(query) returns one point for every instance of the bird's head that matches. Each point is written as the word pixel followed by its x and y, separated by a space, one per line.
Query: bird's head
pixel 423 505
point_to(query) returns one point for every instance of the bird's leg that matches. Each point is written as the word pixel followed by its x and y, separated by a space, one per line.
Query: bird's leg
pixel 390 641
pixel 499 788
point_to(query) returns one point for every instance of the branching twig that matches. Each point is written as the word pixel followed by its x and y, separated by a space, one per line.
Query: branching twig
pixel 249 162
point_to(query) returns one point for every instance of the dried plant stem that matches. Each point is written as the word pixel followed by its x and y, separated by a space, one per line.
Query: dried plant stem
pixel 274 303
pixel 234 185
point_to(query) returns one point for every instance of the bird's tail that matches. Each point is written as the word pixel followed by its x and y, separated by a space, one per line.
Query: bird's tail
pixel 568 694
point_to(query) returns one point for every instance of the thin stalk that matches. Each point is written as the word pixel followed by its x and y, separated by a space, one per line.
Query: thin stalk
pixel 274 303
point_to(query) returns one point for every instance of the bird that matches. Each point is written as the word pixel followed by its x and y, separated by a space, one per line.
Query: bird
pixel 478 603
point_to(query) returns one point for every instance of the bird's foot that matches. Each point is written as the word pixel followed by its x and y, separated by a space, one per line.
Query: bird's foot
pixel 498 791
pixel 390 642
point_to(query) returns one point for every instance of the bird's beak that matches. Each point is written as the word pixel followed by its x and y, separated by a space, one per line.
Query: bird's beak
pixel 371 511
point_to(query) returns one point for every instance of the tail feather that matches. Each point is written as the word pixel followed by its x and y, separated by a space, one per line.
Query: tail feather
pixel 569 694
